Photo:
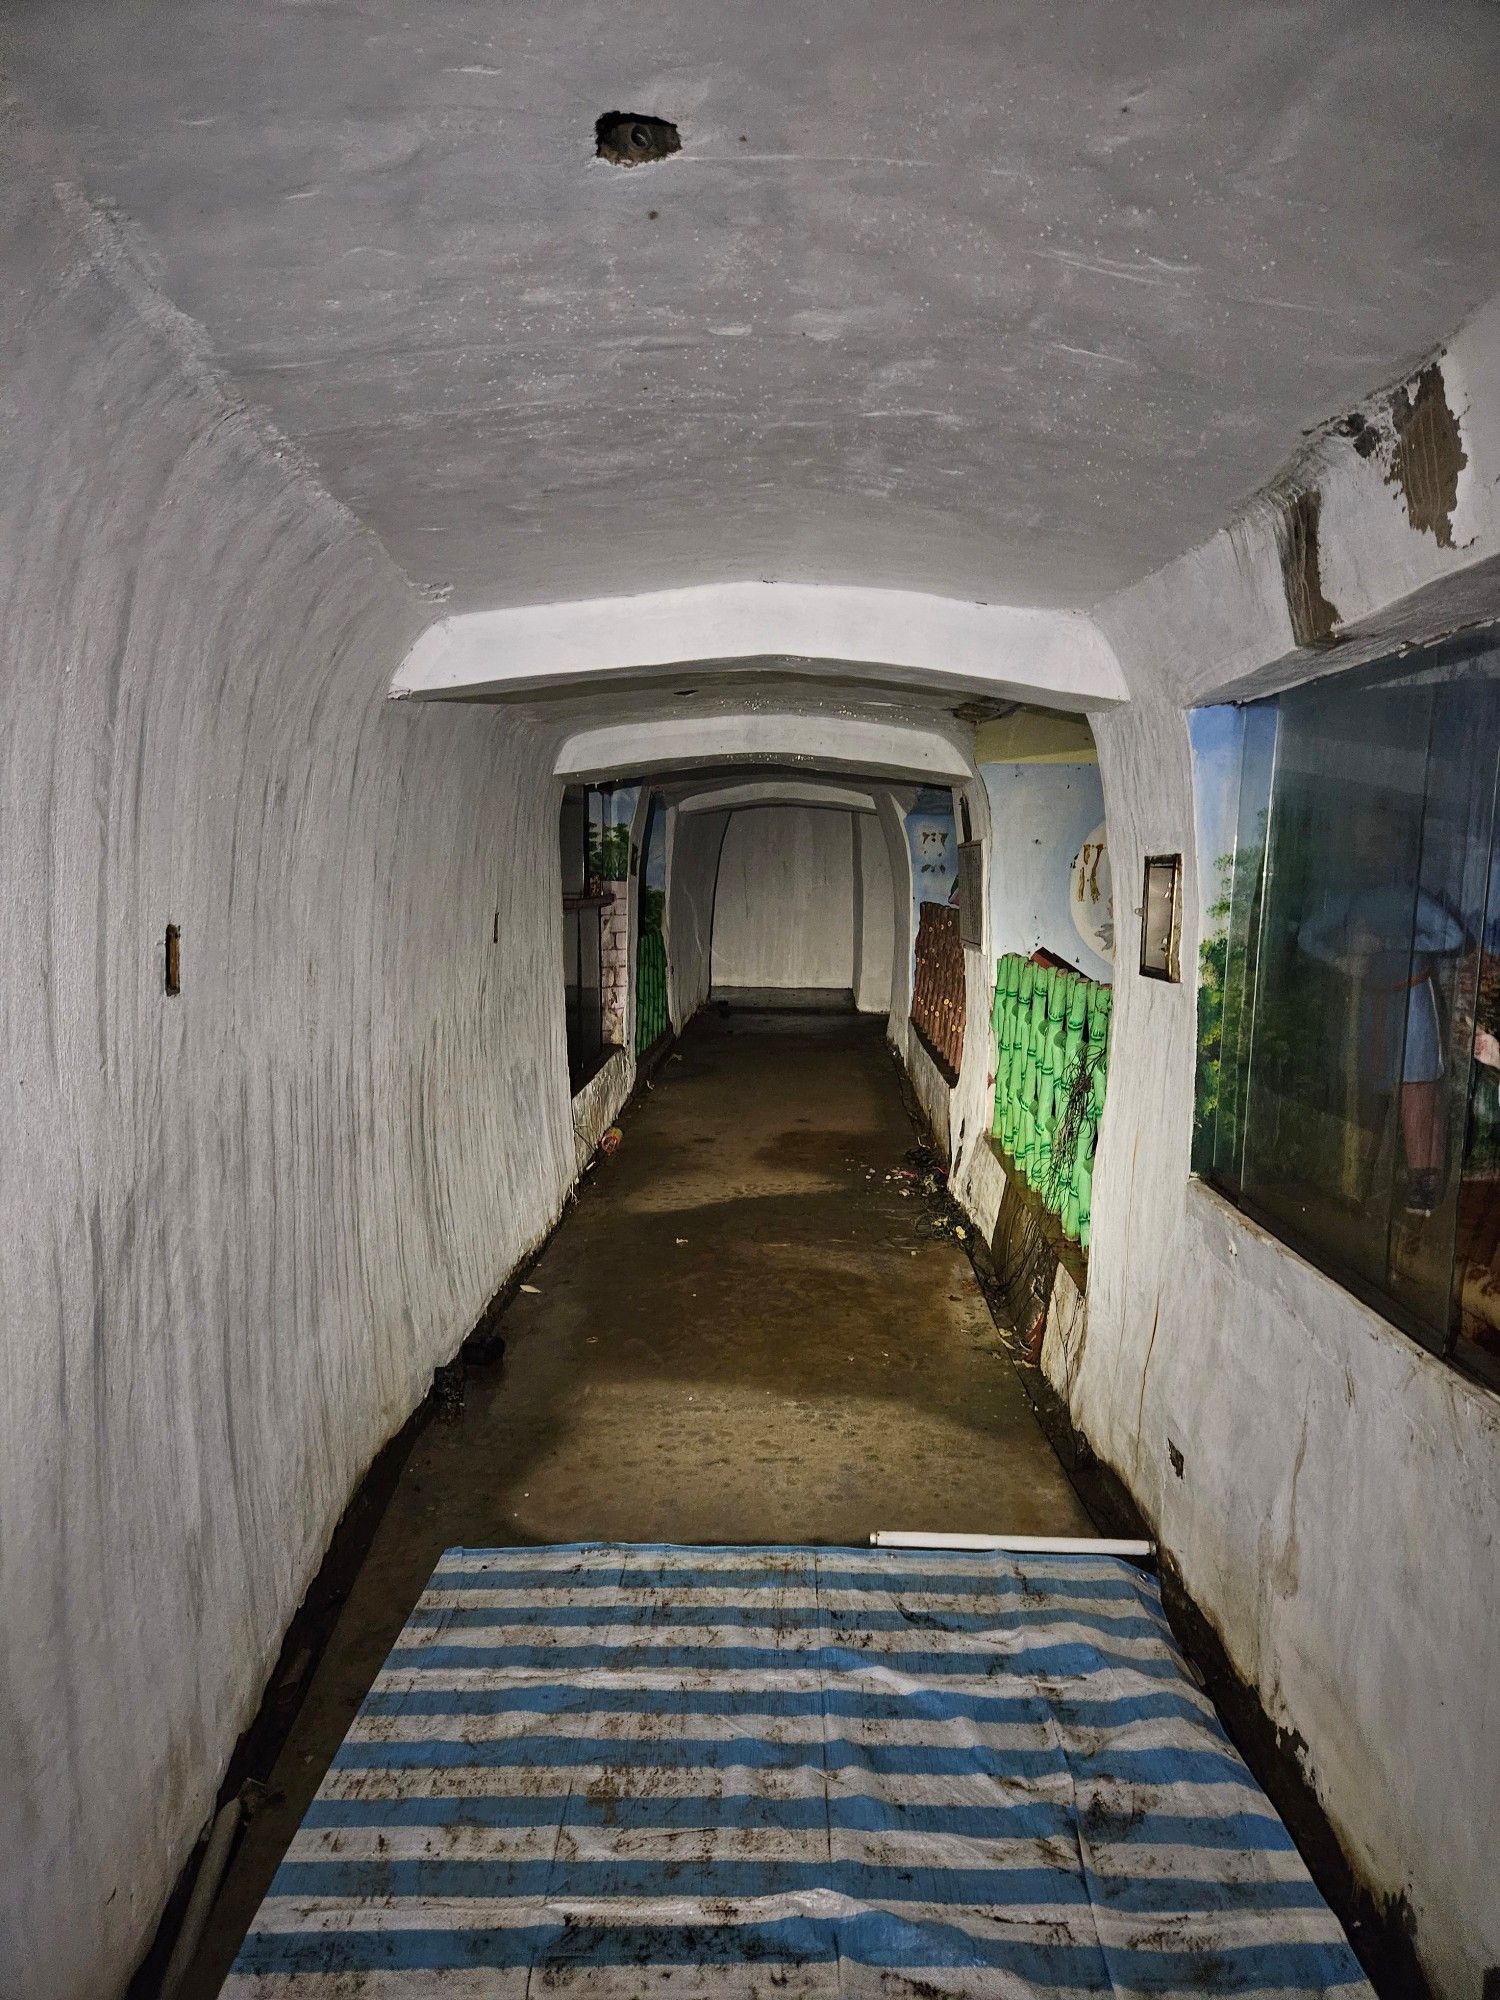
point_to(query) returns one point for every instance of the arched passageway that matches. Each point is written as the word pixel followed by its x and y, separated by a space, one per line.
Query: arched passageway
pixel 804 905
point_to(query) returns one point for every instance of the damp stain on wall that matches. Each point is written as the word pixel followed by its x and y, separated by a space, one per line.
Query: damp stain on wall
pixel 1428 454
pixel 1297 520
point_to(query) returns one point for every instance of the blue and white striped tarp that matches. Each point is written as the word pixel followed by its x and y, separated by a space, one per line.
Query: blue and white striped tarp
pixel 701 1772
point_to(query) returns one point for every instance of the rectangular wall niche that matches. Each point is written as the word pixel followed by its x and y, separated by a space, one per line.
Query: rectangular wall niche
pixel 1161 917
pixel 971 894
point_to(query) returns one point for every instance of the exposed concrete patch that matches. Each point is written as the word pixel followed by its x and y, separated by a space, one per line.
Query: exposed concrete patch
pixel 1360 431
pixel 1313 617
pixel 1429 454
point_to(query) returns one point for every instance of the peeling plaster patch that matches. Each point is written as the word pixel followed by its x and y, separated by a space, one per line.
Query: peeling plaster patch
pixel 1313 617
pixel 1429 454
pixel 1361 433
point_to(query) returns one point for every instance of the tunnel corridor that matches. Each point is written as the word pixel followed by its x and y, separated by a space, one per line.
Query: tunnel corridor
pixel 752 1328
pixel 749 794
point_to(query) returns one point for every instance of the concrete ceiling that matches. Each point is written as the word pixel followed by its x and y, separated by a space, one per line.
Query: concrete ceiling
pixel 1010 302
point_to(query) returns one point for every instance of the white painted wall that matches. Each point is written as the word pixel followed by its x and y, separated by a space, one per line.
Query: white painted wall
pixel 874 931
pixel 1338 1514
pixel 239 1228
pixel 890 809
pixel 694 841
pixel 598 1104
pixel 784 910
pixel 724 795
pixel 1337 1517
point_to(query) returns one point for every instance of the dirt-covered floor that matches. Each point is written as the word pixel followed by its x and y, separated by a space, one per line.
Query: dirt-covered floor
pixel 750 1328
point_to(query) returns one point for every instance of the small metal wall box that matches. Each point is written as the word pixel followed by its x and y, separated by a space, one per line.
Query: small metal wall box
pixel 1161 917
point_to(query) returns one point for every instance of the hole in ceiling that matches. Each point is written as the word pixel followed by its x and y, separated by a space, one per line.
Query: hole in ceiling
pixel 631 138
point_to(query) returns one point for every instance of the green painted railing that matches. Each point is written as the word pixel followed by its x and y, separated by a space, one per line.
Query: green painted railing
pixel 1051 1049
pixel 651 1017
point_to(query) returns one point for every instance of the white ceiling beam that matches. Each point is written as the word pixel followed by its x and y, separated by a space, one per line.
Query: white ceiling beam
pixel 775 792
pixel 1014 652
pixel 831 743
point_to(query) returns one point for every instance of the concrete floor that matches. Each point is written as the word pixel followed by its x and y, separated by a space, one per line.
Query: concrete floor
pixel 744 1332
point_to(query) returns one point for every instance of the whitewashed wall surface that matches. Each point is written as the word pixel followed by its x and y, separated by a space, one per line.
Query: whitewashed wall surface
pixel 1337 1516
pixel 239 1227
pixel 784 911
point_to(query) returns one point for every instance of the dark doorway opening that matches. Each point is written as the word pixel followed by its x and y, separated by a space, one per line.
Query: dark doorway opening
pixel 581 830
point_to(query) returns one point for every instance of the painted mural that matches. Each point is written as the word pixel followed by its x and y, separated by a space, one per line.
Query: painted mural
pixel 938 990
pixel 932 838
pixel 1217 736
pixel 1050 888
pixel 609 834
pixel 1091 899
pixel 651 1014
pixel 1347 1088
pixel 654 869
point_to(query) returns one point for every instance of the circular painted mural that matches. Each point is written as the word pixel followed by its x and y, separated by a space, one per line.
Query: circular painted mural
pixel 1091 894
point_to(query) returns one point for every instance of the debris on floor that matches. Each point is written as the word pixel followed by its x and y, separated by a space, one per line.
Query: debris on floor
pixel 448 1391
pixel 923 1172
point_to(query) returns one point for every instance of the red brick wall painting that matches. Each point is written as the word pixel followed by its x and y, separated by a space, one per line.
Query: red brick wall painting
pixel 937 1001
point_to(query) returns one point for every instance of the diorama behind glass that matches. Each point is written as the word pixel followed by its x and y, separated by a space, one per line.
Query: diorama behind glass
pixel 1349 1007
